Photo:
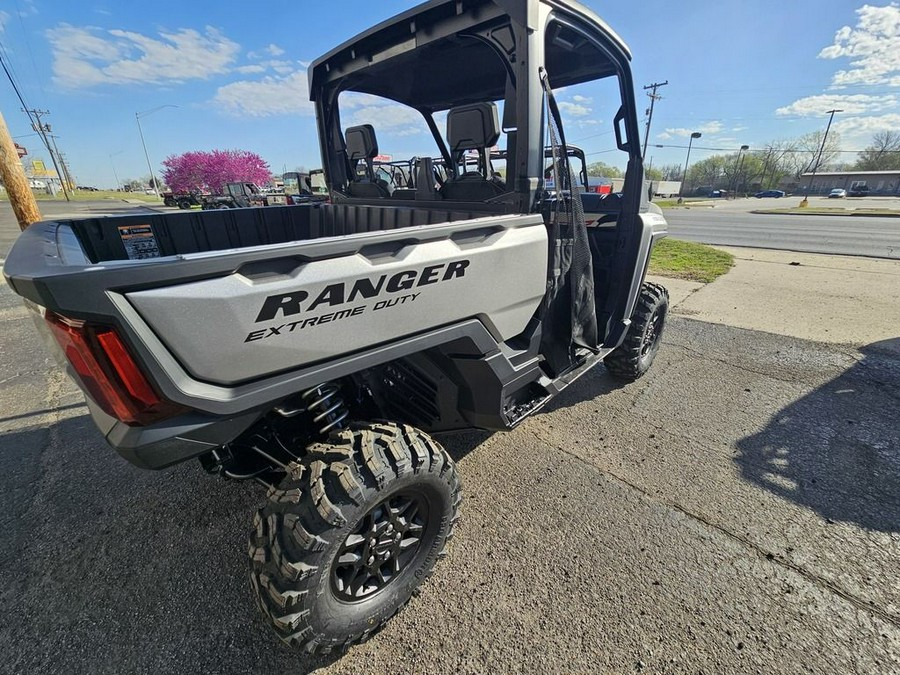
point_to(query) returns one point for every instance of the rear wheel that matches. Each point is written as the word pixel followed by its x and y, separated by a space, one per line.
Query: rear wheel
pixel 351 532
pixel 633 358
pixel 184 204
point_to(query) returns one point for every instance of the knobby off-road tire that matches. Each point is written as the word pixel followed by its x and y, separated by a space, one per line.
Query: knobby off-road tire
pixel 633 357
pixel 371 493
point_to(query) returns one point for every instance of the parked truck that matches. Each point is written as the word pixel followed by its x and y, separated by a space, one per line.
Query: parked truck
pixel 183 200
pixel 242 195
pixel 320 350
pixel 666 188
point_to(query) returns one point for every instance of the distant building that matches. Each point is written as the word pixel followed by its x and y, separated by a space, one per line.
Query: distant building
pixel 885 183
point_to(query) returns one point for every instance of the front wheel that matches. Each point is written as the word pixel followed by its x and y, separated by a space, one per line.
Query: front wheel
pixel 351 532
pixel 633 358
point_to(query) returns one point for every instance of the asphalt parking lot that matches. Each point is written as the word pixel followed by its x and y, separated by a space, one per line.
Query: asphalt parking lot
pixel 735 511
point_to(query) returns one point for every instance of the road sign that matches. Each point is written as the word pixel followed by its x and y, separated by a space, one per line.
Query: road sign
pixel 21 151
pixel 383 158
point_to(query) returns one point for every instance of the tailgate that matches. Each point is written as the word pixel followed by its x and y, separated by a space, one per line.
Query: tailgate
pixel 280 314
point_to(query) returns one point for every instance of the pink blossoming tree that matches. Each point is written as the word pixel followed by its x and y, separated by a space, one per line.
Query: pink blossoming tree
pixel 199 170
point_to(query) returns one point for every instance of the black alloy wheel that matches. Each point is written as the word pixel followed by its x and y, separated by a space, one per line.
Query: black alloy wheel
pixel 386 541
pixel 351 532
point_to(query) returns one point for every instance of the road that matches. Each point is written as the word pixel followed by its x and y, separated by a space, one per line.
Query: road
pixel 844 235
pixel 734 511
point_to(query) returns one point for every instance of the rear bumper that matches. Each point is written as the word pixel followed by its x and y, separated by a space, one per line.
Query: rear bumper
pixel 171 441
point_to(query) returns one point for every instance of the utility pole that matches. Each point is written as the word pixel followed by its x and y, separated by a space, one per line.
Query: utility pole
pixel 805 201
pixel 654 97
pixel 20 195
pixel 62 160
pixel 43 130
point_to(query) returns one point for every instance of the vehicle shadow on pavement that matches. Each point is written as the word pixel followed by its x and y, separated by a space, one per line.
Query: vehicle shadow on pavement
pixel 837 449
pixel 112 569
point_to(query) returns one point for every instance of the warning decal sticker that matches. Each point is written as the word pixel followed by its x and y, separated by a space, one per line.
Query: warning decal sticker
pixel 139 241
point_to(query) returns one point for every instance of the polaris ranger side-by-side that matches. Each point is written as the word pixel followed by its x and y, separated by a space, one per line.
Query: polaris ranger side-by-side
pixel 317 349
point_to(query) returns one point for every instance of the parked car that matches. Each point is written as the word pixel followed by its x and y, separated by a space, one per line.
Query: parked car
pixel 769 193
pixel 858 191
pixel 837 193
pixel 723 194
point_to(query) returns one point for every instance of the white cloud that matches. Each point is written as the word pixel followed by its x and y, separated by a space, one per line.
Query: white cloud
pixel 712 127
pixel 89 56
pixel 573 109
pixel 274 50
pixel 851 104
pixel 739 128
pixel 390 119
pixel 578 98
pixel 4 18
pixel 254 68
pixel 280 67
pixel 872 48
pixel 856 132
pixel 664 136
pixel 281 95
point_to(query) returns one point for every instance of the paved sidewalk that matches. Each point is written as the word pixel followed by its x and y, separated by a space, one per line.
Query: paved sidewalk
pixel 827 298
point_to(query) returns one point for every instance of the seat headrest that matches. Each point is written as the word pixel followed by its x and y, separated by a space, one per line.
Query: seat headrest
pixel 472 127
pixel 361 143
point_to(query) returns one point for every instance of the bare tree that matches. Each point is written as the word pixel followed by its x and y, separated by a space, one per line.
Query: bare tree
pixel 671 171
pixel 883 154
pixel 777 159
pixel 806 156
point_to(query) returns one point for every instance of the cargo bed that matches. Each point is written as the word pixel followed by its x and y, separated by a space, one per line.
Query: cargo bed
pixel 166 234
pixel 222 302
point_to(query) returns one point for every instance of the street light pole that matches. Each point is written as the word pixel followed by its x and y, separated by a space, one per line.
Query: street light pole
pixel 111 155
pixel 738 164
pixel 138 116
pixel 805 201
pixel 687 159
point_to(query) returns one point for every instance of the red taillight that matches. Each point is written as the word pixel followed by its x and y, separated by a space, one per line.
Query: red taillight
pixel 108 373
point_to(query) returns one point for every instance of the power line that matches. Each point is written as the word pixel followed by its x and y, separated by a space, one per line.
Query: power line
pixel 28 47
pixel 16 89
pixel 653 98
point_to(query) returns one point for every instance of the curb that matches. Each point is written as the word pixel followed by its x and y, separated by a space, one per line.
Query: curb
pixel 855 214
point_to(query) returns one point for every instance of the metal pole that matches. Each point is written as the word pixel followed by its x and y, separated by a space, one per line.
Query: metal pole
pixel 818 157
pixel 118 183
pixel 694 135
pixel 739 162
pixel 146 154
pixel 137 116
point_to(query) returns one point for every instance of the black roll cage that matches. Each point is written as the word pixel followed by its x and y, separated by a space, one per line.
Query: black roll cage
pixel 514 31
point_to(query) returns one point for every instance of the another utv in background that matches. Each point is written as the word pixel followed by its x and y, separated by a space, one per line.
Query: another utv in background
pixel 317 349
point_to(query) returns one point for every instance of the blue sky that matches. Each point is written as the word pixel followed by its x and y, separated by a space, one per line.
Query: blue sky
pixel 739 72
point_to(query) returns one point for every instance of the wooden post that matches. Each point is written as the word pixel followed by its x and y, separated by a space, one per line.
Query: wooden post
pixel 20 195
